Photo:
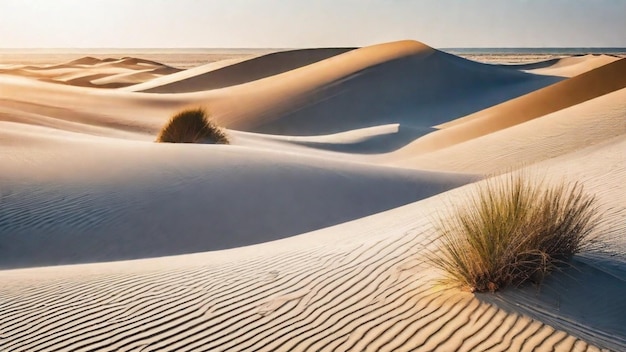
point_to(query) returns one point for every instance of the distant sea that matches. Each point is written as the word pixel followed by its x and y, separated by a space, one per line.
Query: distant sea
pixel 191 57
pixel 530 51
pixel 524 55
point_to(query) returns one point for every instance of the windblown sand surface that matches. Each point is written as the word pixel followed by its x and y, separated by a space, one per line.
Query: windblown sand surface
pixel 310 231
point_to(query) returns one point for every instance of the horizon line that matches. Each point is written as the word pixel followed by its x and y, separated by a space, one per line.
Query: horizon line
pixel 298 48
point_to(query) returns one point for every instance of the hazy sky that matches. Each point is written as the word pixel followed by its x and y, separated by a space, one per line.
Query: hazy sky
pixel 310 23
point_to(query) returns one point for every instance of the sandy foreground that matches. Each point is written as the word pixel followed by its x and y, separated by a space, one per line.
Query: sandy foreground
pixel 310 231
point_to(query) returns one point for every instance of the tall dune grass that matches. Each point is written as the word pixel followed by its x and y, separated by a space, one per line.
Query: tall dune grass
pixel 192 126
pixel 513 229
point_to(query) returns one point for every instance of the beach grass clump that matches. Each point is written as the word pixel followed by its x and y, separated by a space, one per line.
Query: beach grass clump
pixel 513 229
pixel 192 126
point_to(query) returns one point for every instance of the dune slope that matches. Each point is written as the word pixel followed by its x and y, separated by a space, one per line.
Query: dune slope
pixel 362 285
pixel 552 135
pixel 402 82
pixel 207 78
pixel 586 86
pixel 165 199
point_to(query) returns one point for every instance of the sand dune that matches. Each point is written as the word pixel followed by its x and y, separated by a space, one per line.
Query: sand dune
pixel 567 66
pixel 552 135
pixel 311 231
pixel 187 199
pixel 86 106
pixel 212 76
pixel 366 289
pixel 94 72
pixel 402 82
pixel 315 99
pixel 589 85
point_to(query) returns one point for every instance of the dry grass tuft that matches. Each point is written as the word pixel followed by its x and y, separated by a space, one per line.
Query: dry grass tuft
pixel 513 229
pixel 192 126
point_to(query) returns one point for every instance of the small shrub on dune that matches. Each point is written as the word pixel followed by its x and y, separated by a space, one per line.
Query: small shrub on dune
pixel 192 126
pixel 512 230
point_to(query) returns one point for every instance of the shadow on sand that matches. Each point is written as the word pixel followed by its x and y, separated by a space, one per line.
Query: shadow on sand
pixel 585 300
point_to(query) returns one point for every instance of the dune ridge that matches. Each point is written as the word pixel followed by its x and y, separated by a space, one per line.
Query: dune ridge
pixel 211 77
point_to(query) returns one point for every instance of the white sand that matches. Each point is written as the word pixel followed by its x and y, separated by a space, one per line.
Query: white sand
pixel 310 231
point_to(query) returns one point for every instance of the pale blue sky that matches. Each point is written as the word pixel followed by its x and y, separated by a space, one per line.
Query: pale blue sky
pixel 311 23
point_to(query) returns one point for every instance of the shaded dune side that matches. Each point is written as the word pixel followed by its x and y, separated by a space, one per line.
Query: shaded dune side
pixel 549 136
pixel 368 289
pixel 173 199
pixel 575 90
pixel 402 82
pixel 345 145
pixel 561 95
pixel 243 72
